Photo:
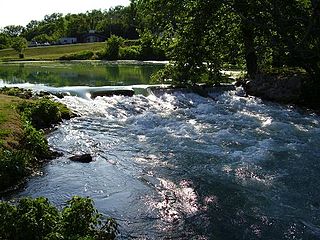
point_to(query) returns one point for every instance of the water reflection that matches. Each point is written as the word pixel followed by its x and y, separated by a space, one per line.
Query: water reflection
pixel 59 74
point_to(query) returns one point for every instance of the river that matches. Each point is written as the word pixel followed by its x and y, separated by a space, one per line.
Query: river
pixel 174 165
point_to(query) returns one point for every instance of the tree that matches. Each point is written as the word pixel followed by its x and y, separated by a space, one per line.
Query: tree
pixel 20 44
pixel 5 41
pixel 13 30
pixel 260 33
pixel 192 33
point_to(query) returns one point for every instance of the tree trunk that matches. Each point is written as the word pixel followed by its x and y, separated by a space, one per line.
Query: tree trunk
pixel 250 54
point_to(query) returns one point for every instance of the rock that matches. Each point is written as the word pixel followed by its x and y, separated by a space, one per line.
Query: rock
pixel 84 158
pixel 283 89
pixel 110 93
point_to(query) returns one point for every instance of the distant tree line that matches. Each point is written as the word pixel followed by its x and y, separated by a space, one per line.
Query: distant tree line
pixel 119 21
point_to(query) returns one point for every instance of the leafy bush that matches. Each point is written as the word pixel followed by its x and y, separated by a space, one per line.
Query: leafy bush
pixel 44 112
pixel 12 166
pixel 83 55
pixel 35 142
pixel 113 47
pixel 130 53
pixel 18 92
pixel 38 219
pixel 5 41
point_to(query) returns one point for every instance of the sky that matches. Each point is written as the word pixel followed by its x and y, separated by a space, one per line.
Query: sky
pixel 21 12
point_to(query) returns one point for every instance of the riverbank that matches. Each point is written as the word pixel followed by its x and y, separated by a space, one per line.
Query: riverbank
pixel 49 52
pixel 286 87
pixel 23 145
pixel 125 50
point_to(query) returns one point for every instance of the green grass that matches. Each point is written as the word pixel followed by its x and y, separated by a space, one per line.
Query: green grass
pixel 10 123
pixel 50 52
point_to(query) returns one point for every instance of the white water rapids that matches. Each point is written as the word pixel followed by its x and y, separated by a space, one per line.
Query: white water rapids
pixel 176 165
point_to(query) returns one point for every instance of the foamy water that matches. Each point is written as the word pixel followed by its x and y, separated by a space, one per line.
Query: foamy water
pixel 181 166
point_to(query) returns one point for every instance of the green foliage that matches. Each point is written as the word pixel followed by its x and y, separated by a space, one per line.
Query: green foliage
pixel 35 141
pixel 150 50
pixel 17 92
pixel 30 145
pixel 83 55
pixel 203 36
pixel 113 47
pixel 34 218
pixel 5 41
pixel 38 219
pixel 130 53
pixel 13 30
pixel 42 38
pixel 13 166
pixel 19 44
pixel 42 113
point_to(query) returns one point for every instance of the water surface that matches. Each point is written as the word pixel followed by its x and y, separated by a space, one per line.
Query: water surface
pixel 82 73
pixel 179 166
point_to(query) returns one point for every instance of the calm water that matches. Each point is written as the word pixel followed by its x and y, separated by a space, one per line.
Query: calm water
pixel 93 74
pixel 179 166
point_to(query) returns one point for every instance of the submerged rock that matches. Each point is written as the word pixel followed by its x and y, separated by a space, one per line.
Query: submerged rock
pixel 84 158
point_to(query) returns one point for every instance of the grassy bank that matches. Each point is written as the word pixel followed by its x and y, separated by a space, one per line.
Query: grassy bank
pixel 11 130
pixel 114 49
pixel 23 145
pixel 50 52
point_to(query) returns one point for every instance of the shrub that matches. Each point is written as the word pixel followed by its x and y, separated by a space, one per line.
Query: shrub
pixel 79 217
pixel 113 47
pixel 38 219
pixel 83 55
pixel 35 142
pixel 44 112
pixel 35 218
pixel 12 166
pixel 130 53
pixel 18 92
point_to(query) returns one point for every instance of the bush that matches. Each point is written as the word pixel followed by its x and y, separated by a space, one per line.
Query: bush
pixel 18 92
pixel 38 219
pixel 35 142
pixel 44 112
pixel 83 55
pixel 113 47
pixel 12 167
pixel 130 53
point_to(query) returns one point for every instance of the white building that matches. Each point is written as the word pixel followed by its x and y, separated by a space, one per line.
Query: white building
pixel 68 40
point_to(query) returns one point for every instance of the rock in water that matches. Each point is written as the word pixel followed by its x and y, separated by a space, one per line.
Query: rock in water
pixel 84 158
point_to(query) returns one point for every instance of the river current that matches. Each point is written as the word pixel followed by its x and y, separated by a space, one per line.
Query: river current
pixel 174 165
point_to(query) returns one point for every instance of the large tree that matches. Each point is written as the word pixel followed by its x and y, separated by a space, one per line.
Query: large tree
pixel 202 35
pixel 20 44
